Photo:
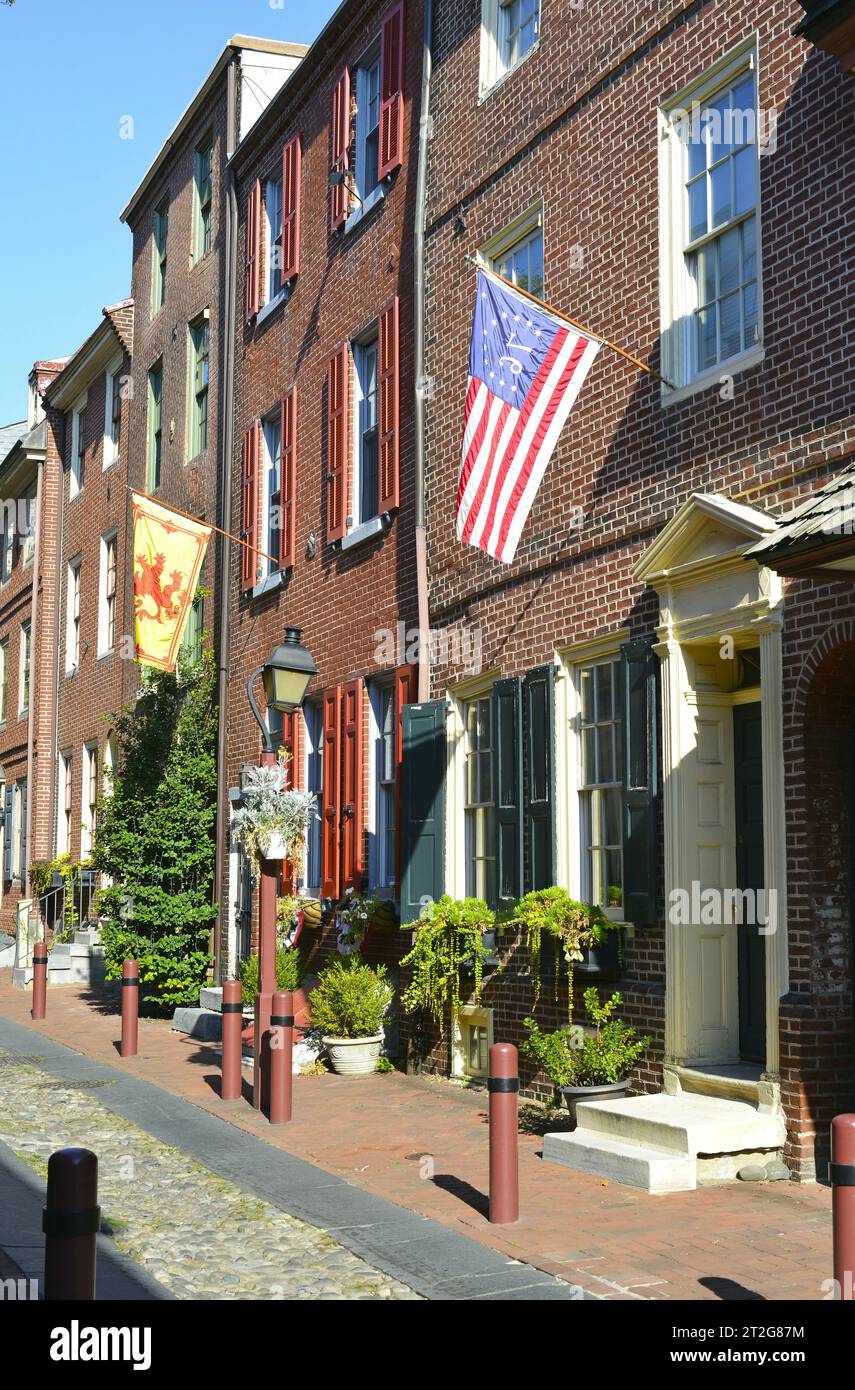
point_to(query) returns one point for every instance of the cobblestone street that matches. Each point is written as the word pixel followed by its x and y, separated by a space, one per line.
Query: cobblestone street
pixel 199 1236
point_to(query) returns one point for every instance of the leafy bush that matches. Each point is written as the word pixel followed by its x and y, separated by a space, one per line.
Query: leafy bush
pixel 290 969
pixel 154 838
pixel 573 928
pixel 603 1058
pixel 351 999
pixel 449 939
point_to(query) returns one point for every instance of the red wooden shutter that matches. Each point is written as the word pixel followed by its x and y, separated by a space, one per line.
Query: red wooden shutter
pixel 330 858
pixel 406 692
pixel 288 485
pixel 249 517
pixel 338 402
pixel 351 790
pixel 389 387
pixel 391 145
pixel 341 147
pixel 292 159
pixel 253 243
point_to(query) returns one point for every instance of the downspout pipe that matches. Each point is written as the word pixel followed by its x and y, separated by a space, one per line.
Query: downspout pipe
pixel 225 490
pixel 421 383
pixel 35 663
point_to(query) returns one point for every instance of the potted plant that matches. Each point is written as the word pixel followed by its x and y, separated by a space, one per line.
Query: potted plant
pixel 593 1065
pixel 349 1005
pixel 576 930
pixel 451 939
pixel 272 823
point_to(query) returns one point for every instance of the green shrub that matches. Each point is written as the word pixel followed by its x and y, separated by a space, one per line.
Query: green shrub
pixel 449 942
pixel 602 1058
pixel 290 969
pixel 351 999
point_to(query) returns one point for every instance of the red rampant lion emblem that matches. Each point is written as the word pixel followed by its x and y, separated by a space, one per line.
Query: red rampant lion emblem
pixel 167 598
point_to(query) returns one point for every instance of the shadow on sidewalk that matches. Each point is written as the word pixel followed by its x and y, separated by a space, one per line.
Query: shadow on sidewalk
pixel 464 1191
pixel 729 1291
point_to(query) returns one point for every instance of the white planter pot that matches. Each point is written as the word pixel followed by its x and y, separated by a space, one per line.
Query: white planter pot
pixel 354 1056
pixel 272 846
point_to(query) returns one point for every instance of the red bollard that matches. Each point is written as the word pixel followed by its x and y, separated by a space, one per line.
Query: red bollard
pixel 39 980
pixel 130 1009
pixel 70 1221
pixel 230 1088
pixel 281 1053
pixel 841 1175
pixel 503 1086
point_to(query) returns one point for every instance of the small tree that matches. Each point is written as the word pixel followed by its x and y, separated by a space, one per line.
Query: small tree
pixel 154 839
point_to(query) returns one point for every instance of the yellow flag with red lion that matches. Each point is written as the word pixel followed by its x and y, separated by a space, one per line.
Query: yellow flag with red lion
pixel 168 552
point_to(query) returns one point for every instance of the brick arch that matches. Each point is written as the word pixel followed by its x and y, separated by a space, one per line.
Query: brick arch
pixel 834 637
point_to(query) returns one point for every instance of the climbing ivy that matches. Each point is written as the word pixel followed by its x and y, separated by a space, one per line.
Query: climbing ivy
pixel 154 838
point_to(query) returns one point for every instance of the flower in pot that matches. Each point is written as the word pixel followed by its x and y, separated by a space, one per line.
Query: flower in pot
pixel 349 1004
pixel 272 823
pixel 595 1065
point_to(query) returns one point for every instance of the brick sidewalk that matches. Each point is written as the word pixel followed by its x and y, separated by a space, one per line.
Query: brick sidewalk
pixel 736 1242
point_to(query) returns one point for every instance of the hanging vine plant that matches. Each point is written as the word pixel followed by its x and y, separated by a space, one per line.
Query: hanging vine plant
pixel 571 927
pixel 449 943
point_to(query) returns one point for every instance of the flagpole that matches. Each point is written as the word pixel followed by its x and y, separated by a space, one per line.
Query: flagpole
pixel 550 309
pixel 210 525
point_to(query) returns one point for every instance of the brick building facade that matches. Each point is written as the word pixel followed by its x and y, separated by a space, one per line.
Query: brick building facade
pixel 565 154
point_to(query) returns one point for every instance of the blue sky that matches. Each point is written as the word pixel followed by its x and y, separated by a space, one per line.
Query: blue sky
pixel 71 70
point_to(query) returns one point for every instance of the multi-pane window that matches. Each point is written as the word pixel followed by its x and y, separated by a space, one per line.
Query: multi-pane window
pixel 366 491
pixel 4 679
pixel 78 452
pixel 72 626
pixel 386 783
pixel 191 642
pixel 476 1048
pixel 271 431
pixel 601 783
pixel 368 125
pixel 203 197
pixel 519 25
pixel 200 338
pixel 63 828
pixel 21 826
pixel 24 684
pixel 90 798
pixel 158 275
pixel 155 426
pixel 107 614
pixel 522 262
pixel 113 417
pixel 478 801
pixel 313 714
pixel 29 518
pixel 273 228
pixel 8 541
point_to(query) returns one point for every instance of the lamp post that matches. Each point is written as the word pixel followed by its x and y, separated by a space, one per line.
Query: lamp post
pixel 286 675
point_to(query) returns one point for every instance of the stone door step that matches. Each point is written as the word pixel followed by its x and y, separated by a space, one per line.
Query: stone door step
pixel 587 1151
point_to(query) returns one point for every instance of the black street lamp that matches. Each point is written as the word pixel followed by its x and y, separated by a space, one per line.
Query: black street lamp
pixel 286 675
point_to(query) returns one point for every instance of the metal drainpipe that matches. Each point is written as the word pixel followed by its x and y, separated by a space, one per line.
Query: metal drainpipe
pixel 60 551
pixel 226 437
pixel 420 392
pixel 31 712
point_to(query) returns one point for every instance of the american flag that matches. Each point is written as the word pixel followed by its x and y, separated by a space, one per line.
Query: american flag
pixel 526 368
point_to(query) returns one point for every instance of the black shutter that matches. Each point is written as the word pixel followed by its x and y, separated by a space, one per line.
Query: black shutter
pixel 7 831
pixel 640 668
pixel 540 765
pixel 423 812
pixel 507 788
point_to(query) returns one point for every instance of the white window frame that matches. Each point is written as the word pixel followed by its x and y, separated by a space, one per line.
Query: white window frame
pixel 105 648
pixel 677 290
pixel 75 486
pixel 4 681
pixel 267 569
pixel 24 684
pixel 381 874
pixel 73 568
pixel 7 544
pixel 18 865
pixel 112 383
pixel 527 225
pixel 455 820
pixel 65 809
pixel 87 816
pixel 369 341
pixel 313 747
pixel 30 501
pixel 272 296
pixel 494 68
pixel 368 63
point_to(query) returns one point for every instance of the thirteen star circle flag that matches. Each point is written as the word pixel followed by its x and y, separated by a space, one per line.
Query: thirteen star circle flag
pixel 526 368
pixel 168 553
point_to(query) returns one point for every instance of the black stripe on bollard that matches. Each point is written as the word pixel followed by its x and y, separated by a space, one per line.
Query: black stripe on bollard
pixel 130 984
pixel 503 1083
pixel 841 1174
pixel 282 1021
pixel 71 1223
pixel 233 1008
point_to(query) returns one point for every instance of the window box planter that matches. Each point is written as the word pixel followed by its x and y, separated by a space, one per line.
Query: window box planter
pixel 603 961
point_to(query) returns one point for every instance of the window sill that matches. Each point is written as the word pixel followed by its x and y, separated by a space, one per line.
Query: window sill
pixel 73 496
pixel 271 306
pixel 732 366
pixel 269 584
pixel 374 197
pixel 109 463
pixel 108 651
pixel 488 89
pixel 366 531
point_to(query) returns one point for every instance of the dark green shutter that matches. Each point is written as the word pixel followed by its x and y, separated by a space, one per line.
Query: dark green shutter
pixel 640 667
pixel 507 788
pixel 7 847
pixel 423 815
pixel 539 699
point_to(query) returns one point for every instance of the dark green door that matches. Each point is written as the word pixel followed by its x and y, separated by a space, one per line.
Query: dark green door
pixel 748 779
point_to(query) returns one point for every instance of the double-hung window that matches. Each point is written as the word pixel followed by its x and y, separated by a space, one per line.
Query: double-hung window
pixel 509 31
pixel 479 809
pixel 78 451
pixel 313 714
pixel 365 492
pixel 8 541
pixel 273 236
pixel 517 252
pixel 24 670
pixel 158 273
pixel 368 126
pixel 200 337
pixel 29 518
pixel 63 827
pixel 4 679
pixel 107 595
pixel 112 416
pixel 72 625
pixel 155 426
pixel 271 434
pixel 711 295
pixel 385 787
pixel 90 798
pixel 191 642
pixel 203 199
pixel 601 783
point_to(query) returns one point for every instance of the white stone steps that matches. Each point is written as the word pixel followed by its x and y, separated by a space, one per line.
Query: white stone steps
pixel 687 1124
pixel 588 1151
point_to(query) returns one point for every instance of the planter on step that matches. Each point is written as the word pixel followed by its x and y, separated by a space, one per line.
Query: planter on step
pixel 573 1094
pixel 354 1056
